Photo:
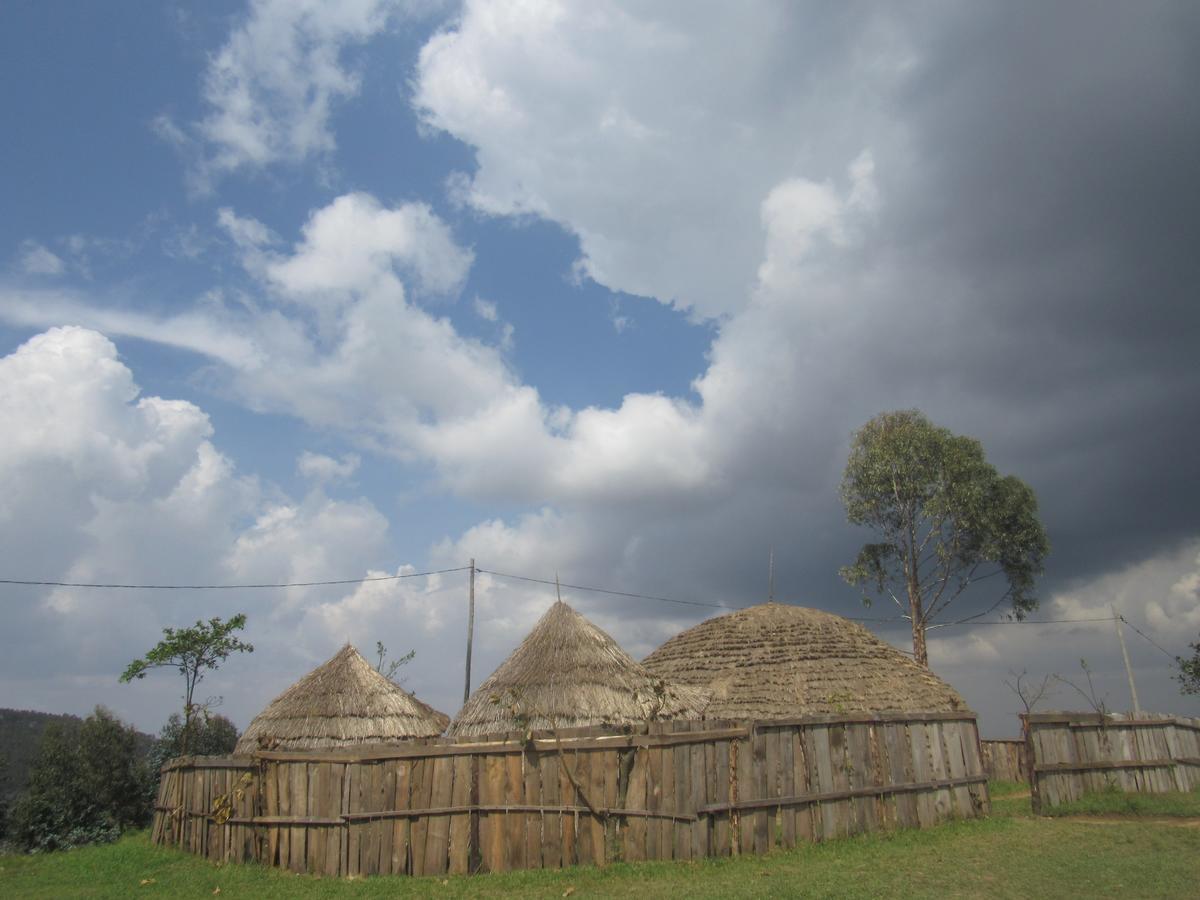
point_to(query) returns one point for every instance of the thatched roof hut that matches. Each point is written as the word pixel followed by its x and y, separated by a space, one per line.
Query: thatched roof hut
pixel 775 661
pixel 567 673
pixel 341 703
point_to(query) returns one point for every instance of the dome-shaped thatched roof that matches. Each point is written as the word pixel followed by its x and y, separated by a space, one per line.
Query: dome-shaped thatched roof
pixel 567 673
pixel 342 703
pixel 775 661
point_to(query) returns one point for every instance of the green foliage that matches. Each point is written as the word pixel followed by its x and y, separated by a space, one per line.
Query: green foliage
pixel 193 651
pixel 1114 802
pixel 1188 675
pixel 1012 856
pixel 3 795
pixel 393 665
pixel 946 517
pixel 212 735
pixel 87 784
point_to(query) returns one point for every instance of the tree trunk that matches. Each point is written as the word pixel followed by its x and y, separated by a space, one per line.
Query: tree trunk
pixel 918 626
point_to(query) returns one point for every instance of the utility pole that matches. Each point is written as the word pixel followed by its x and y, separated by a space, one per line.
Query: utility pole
pixel 1137 710
pixel 470 631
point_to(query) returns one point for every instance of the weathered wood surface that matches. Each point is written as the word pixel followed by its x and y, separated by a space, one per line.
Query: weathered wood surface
pixel 586 796
pixel 1075 753
pixel 1004 760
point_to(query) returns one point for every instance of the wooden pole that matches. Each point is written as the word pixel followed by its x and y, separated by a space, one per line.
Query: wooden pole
pixel 771 576
pixel 1137 710
pixel 470 631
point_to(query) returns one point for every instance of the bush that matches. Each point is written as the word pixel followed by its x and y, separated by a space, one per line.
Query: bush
pixel 212 735
pixel 87 784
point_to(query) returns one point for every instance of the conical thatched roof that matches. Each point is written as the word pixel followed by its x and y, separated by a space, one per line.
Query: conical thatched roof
pixel 775 661
pixel 340 704
pixel 567 673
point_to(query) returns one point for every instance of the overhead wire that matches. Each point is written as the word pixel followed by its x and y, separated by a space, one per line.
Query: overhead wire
pixel 1147 637
pixel 229 587
pixel 532 580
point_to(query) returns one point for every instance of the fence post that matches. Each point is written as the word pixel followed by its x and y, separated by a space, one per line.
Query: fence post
pixel 1035 794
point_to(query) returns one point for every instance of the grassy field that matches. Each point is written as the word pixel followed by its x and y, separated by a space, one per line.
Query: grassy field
pixel 1012 854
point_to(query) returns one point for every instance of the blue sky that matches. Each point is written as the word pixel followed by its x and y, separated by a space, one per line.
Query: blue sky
pixel 295 291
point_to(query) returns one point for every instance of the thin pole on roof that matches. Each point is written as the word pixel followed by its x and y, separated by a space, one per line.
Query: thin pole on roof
pixel 470 630
pixel 771 576
pixel 557 587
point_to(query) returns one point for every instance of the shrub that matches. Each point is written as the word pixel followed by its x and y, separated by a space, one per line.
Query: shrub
pixel 87 784
pixel 212 735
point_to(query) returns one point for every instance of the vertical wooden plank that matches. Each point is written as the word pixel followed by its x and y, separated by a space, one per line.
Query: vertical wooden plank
pixel 683 796
pixel 821 773
pixel 344 831
pixel 401 846
pixel 763 819
pixel 943 802
pixel 666 831
pixel 596 785
pixel 352 791
pixel 653 801
pixel 534 822
pixel 385 801
pixel 459 862
pixel 918 745
pixel 552 824
pixel 314 855
pixel 697 778
pixel 770 782
pixel 491 789
pixel 787 785
pixel 746 790
pixel 866 816
pixel 570 821
pixel 634 828
pixel 298 783
pixel 579 763
pixel 614 783
pixel 721 843
pixel 421 790
pixel 514 823
pixel 800 782
pixel 437 839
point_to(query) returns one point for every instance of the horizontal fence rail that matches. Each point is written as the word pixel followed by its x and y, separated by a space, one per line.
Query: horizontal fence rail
pixel 582 796
pixel 1072 754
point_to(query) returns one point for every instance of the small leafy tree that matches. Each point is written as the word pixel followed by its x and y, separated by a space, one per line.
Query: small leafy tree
pixel 393 665
pixel 1188 675
pixel 87 784
pixel 946 517
pixel 193 651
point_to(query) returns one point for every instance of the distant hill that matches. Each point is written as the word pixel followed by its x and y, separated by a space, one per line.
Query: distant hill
pixel 21 733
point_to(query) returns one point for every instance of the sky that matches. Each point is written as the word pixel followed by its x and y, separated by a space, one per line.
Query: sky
pixel 297 291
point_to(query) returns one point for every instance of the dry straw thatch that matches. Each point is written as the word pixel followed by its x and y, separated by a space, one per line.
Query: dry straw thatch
pixel 341 703
pixel 776 661
pixel 568 673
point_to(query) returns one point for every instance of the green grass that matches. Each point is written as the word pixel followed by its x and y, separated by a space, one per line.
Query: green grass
pixel 1115 803
pixel 1008 855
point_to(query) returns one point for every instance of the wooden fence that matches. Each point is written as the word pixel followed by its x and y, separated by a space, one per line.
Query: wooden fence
pixel 1074 753
pixel 1004 760
pixel 673 790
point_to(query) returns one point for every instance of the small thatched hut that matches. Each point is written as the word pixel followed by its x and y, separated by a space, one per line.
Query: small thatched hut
pixel 567 673
pixel 776 661
pixel 341 703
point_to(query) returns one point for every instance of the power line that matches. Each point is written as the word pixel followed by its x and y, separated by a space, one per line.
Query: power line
pixel 599 590
pixel 1147 637
pixel 532 580
pixel 229 587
